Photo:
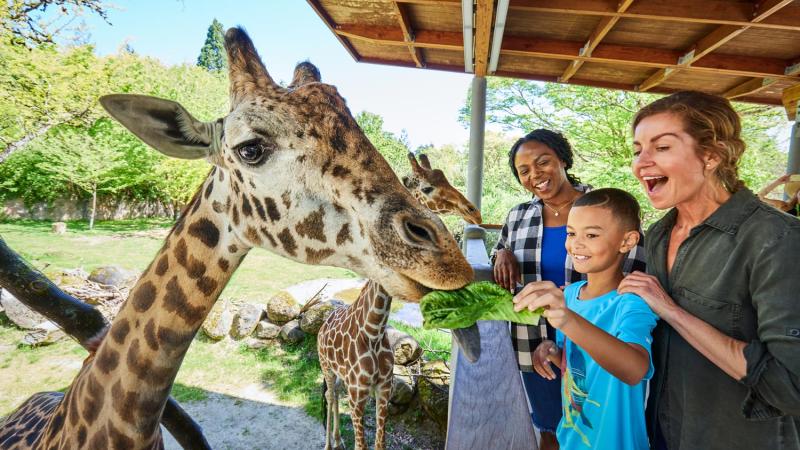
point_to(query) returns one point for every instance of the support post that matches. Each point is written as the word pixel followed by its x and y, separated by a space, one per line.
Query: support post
pixel 476 132
pixel 793 165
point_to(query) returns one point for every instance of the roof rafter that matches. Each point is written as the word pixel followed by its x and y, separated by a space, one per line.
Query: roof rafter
pixel 408 33
pixel 328 21
pixel 484 19
pixel 566 50
pixel 597 35
pixel 711 42
pixel 719 12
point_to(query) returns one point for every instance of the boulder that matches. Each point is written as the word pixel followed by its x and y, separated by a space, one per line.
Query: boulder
pixel 403 389
pixel 291 332
pixel 59 227
pixel 17 312
pixel 255 343
pixel 313 318
pixel 219 321
pixel 267 330
pixel 406 348
pixel 45 333
pixel 282 308
pixel 246 319
pixel 433 388
pixel 114 276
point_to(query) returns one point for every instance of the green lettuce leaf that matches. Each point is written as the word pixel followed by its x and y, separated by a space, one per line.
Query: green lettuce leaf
pixel 461 308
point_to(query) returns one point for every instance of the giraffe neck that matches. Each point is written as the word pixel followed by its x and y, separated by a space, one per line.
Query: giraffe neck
pixel 128 382
pixel 370 311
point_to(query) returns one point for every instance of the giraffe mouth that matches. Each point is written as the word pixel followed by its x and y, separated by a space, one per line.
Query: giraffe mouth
pixel 469 341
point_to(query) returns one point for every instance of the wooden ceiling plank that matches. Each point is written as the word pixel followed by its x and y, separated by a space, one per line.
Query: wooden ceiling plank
pixel 713 41
pixel 749 87
pixel 408 33
pixel 484 19
pixel 719 12
pixel 328 21
pixel 790 98
pixel 599 32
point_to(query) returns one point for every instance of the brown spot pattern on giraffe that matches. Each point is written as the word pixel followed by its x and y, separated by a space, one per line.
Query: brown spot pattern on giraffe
pixel 175 301
pixel 206 231
pixel 272 209
pixel 287 240
pixel 163 265
pixel 317 256
pixel 144 296
pixel 313 226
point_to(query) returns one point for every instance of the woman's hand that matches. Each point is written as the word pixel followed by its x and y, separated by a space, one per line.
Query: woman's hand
pixel 545 294
pixel 546 354
pixel 506 269
pixel 647 287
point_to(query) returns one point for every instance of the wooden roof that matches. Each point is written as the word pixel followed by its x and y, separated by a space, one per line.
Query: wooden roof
pixel 748 50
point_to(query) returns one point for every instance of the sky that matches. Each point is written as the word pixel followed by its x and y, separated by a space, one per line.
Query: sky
pixel 424 103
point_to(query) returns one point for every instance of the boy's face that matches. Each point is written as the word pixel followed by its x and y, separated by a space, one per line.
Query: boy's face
pixel 596 240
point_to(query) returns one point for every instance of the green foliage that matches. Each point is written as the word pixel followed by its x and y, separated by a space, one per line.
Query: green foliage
pixel 597 123
pixel 463 307
pixel 212 56
pixel 22 20
pixel 392 147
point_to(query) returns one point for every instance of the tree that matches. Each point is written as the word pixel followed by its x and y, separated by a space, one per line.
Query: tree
pixel 212 55
pixel 392 147
pixel 86 160
pixel 27 24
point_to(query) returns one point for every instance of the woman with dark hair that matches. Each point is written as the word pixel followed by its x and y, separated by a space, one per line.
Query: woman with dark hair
pixel 723 277
pixel 531 248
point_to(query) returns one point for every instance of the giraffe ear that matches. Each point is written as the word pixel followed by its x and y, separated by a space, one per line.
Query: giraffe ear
pixel 164 125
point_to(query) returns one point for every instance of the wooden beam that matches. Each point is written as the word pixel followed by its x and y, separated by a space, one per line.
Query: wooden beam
pixel 749 87
pixel 484 19
pixel 328 21
pixel 717 38
pixel 790 98
pixel 600 31
pixel 720 12
pixel 746 66
pixel 408 33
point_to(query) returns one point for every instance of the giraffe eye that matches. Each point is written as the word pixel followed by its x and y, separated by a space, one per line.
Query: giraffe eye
pixel 252 152
pixel 427 190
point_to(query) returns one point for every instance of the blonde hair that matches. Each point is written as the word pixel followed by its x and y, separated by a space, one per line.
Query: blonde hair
pixel 713 124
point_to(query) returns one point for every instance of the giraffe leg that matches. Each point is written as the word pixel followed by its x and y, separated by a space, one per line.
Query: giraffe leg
pixel 331 422
pixel 383 392
pixel 338 442
pixel 358 403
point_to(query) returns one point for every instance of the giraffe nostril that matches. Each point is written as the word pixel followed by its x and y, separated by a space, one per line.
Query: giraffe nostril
pixel 418 232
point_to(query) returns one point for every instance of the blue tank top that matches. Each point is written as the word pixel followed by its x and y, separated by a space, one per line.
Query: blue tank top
pixel 554 254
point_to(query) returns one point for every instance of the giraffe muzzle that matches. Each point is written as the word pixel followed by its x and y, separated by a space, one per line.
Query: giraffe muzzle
pixel 469 340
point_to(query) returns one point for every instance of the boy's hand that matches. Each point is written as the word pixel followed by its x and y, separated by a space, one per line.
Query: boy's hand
pixel 546 353
pixel 544 294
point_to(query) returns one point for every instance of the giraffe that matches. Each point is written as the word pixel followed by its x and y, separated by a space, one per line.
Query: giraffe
pixel 351 343
pixel 292 173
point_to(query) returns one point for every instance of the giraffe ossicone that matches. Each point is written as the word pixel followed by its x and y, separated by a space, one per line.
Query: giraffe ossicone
pixel 292 173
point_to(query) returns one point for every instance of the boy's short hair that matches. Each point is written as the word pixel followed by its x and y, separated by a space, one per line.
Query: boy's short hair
pixel 623 205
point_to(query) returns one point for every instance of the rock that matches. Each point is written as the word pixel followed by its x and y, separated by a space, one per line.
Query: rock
pixel 246 319
pixel 219 321
pixel 433 388
pixel 313 318
pixel 403 389
pixel 255 343
pixel 113 276
pixel 291 332
pixel 406 348
pixel 59 227
pixel 282 308
pixel 45 333
pixel 17 312
pixel 267 330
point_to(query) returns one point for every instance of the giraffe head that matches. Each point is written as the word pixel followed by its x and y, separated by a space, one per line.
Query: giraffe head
pixel 294 173
pixel 433 190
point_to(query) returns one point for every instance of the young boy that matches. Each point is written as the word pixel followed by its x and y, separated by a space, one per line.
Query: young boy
pixel 603 337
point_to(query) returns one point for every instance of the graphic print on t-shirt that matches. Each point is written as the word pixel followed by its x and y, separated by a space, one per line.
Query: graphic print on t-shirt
pixel 574 390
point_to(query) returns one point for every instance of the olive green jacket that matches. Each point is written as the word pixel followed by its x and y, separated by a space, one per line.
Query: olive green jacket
pixel 739 271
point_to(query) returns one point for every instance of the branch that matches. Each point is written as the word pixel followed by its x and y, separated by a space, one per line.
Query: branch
pixel 81 322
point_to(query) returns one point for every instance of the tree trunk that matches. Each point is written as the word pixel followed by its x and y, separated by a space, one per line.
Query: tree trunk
pixel 18 144
pixel 94 206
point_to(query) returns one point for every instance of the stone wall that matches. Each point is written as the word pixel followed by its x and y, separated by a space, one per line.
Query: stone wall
pixel 75 209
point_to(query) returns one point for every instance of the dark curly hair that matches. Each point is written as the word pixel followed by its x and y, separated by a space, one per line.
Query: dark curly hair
pixel 555 141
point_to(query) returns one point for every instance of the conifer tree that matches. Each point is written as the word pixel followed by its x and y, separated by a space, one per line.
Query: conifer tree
pixel 212 55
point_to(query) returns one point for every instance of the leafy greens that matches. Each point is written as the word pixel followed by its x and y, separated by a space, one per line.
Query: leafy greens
pixel 461 308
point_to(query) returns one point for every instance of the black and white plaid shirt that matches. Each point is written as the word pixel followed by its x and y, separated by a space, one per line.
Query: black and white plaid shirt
pixel 522 234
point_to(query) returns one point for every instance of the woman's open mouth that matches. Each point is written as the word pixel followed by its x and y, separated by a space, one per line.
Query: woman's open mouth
pixel 654 183
pixel 542 186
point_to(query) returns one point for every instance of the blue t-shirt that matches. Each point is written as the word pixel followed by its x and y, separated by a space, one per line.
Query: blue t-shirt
pixel 554 253
pixel 600 410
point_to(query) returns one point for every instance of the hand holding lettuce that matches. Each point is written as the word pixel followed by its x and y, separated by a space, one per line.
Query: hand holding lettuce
pixel 463 307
